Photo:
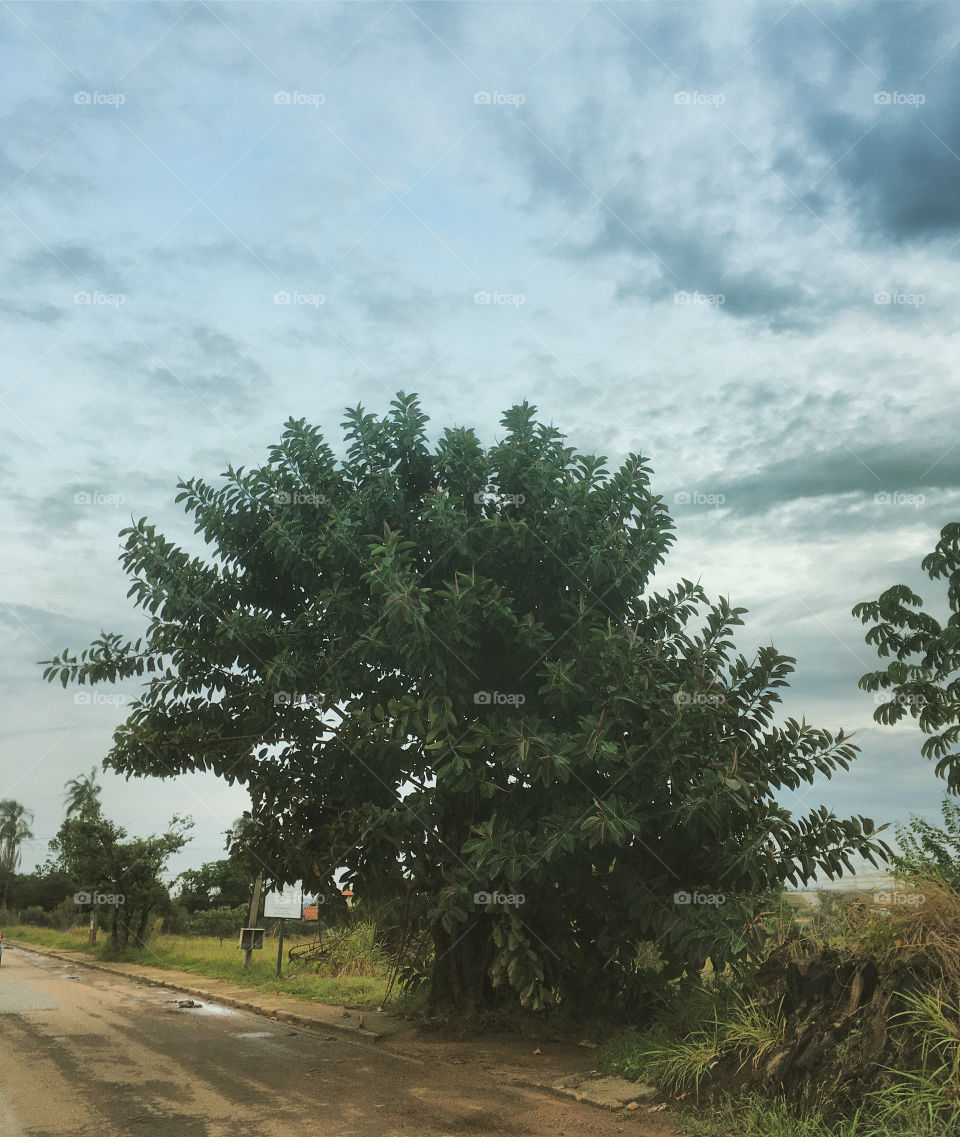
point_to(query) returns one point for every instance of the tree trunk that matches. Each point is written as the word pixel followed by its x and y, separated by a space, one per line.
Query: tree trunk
pixel 459 978
pixel 142 927
pixel 92 938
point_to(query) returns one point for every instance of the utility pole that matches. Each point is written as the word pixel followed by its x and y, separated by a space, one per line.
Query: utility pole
pixel 254 913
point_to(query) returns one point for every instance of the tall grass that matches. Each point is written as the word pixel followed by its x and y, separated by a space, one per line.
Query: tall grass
pixel 678 1060
pixel 682 1063
pixel 753 1031
pixel 756 1116
pixel 355 972
pixel 702 1027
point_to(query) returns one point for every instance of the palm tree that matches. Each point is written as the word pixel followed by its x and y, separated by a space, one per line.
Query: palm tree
pixel 15 822
pixel 82 792
pixel 83 796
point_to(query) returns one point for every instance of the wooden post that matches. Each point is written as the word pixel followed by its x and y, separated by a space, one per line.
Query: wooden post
pixel 254 913
pixel 280 950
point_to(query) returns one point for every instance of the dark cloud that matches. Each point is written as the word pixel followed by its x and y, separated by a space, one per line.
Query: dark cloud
pixel 103 494
pixel 894 158
pixel 69 261
pixel 391 294
pixel 838 154
pixel 439 25
pixel 893 468
pixel 198 362
pixel 664 43
pixel 905 175
pixel 38 313
pixel 42 624
pixel 688 266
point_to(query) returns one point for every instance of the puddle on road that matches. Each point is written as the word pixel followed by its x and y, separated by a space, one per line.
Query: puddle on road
pixel 214 1009
pixel 206 1009
pixel 256 1034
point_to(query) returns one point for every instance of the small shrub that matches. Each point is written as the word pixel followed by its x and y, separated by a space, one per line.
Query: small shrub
pixel 66 915
pixel 36 917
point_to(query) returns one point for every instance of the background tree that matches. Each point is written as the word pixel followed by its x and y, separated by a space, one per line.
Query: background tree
pixel 15 822
pixel 144 860
pixel 217 884
pixel 220 922
pixel 44 888
pixel 102 861
pixel 82 792
pixel 929 851
pixel 439 670
pixel 923 675
pixel 82 799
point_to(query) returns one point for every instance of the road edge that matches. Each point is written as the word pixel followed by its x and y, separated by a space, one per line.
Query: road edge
pixel 289 1017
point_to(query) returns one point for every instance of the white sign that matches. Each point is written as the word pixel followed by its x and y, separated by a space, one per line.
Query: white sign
pixel 287 904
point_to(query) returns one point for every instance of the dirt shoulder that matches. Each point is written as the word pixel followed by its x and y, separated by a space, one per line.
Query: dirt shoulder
pixel 539 1068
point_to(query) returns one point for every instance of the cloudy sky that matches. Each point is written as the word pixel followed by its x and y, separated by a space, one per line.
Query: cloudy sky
pixel 723 235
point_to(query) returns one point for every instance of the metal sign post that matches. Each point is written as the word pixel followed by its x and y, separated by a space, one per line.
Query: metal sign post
pixel 285 904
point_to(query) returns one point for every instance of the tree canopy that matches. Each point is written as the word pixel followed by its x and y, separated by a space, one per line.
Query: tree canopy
pixel 216 884
pixel 440 667
pixel 923 675
pixel 81 791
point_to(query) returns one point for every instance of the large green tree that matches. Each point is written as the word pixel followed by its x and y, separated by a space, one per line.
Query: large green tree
pixel 922 678
pixel 440 668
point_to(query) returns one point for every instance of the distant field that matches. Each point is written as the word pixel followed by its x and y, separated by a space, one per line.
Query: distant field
pixel 358 977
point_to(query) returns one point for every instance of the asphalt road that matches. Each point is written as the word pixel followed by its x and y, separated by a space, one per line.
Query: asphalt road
pixel 90 1054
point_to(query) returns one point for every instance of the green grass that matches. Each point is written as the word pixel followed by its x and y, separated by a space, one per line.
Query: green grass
pixel 754 1117
pixel 689 1035
pixel 919 1115
pixel 356 975
pixel 74 939
pixel 753 1031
